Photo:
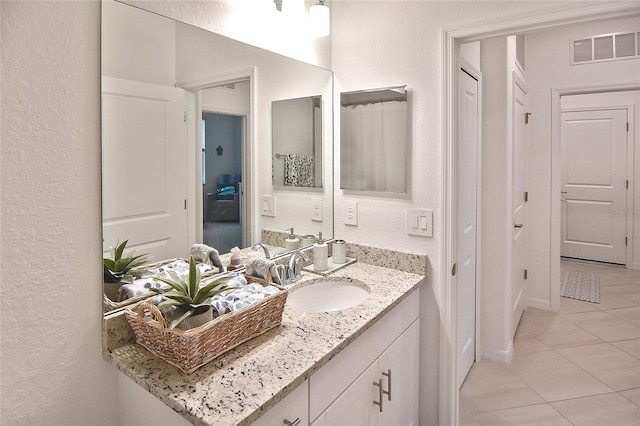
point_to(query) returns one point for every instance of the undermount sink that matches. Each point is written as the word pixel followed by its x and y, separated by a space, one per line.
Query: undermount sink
pixel 328 295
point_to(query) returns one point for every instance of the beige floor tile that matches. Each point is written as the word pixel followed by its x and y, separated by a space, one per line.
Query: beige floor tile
pixel 491 387
pixel 610 300
pixel 570 306
pixel 523 343
pixel 555 332
pixel 630 291
pixel 631 347
pixel 554 377
pixel 630 315
pixel 604 325
pixel 632 395
pixel 612 366
pixel 537 313
pixel 610 409
pixel 533 415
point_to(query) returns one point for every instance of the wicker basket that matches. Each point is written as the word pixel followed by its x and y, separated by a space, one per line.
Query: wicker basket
pixel 190 349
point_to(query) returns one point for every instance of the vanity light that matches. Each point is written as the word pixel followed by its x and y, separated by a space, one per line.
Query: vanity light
pixel 320 19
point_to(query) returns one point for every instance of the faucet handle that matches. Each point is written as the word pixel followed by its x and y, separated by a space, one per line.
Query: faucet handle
pixel 294 263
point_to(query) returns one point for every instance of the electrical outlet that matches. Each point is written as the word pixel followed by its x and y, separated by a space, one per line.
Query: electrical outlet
pixel 351 213
pixel 317 206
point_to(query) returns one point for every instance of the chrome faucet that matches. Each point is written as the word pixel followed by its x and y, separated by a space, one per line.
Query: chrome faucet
pixel 294 265
pixel 266 250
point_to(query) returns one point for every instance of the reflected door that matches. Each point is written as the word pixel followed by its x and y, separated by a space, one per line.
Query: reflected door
pixel 594 177
pixel 144 167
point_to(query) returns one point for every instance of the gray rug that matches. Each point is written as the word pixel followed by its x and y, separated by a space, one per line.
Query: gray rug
pixel 580 285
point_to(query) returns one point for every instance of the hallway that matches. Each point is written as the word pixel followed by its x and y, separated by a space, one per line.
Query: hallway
pixel 580 366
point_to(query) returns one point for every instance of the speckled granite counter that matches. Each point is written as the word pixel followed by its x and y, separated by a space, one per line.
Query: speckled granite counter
pixel 237 387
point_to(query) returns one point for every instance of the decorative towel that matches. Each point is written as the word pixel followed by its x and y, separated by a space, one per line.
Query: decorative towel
pixel 298 170
pixel 233 300
pixel 209 255
pixel 260 268
pixel 143 285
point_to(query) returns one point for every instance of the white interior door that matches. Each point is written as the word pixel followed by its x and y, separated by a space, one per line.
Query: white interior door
pixel 467 151
pixel 594 184
pixel 518 248
pixel 144 167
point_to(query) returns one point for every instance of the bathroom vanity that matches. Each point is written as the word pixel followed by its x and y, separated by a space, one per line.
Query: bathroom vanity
pixel 316 368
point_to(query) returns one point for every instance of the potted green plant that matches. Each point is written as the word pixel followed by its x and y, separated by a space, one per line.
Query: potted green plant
pixel 117 269
pixel 188 299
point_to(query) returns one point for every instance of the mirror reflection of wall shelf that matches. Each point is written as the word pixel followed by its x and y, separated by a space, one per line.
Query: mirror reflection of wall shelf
pixel 297 143
pixel 374 143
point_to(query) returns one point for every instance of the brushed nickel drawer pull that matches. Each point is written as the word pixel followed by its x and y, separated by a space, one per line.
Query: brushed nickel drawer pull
pixel 296 422
pixel 380 392
pixel 388 391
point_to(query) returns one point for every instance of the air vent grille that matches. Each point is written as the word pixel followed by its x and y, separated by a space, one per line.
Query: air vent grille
pixel 605 47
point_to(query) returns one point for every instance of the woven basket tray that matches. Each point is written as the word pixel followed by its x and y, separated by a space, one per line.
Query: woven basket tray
pixel 191 349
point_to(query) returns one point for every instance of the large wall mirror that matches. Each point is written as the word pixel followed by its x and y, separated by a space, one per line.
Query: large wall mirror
pixel 187 138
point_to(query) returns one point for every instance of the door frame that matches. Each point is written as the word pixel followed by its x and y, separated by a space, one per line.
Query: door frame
pixel 451 39
pixel 194 108
pixel 556 169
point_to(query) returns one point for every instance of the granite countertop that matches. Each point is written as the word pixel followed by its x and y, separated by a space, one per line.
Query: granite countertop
pixel 239 386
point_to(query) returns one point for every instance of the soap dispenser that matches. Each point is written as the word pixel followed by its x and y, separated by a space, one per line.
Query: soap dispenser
pixel 320 255
pixel 291 242
pixel 235 260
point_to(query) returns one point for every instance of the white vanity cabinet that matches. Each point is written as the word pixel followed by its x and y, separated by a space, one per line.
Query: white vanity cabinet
pixel 293 410
pixel 382 363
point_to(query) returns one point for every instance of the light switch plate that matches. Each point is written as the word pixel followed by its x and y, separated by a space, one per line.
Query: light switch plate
pixel 351 213
pixel 268 205
pixel 420 222
pixel 317 206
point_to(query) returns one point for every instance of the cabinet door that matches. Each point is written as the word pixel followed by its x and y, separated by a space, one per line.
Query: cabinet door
pixel 355 405
pixel 293 408
pixel 399 370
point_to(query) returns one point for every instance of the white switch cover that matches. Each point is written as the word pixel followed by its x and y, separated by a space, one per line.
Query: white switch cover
pixel 420 222
pixel 268 205
pixel 351 213
pixel 316 209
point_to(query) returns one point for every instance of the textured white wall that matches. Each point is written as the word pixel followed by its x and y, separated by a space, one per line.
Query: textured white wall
pixel 50 249
pixel 547 59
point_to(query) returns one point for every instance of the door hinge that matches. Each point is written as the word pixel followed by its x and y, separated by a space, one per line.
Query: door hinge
pixel 526 117
pixel 627 127
pixel 526 196
pixel 627 183
pixel 454 269
pixel 526 274
pixel 185 116
pixel 626 241
pixel 185 204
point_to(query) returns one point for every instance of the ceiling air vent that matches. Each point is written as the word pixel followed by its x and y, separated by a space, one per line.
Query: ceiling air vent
pixel 605 47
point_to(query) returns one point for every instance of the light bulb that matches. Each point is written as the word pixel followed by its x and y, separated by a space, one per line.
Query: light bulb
pixel 320 19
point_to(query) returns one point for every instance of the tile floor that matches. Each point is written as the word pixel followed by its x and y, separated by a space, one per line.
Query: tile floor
pixel 580 366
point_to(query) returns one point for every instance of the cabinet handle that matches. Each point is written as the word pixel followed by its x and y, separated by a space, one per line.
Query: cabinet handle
pixel 388 391
pixel 380 392
pixel 296 422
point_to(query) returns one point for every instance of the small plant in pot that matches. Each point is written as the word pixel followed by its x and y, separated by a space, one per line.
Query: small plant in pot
pixel 187 299
pixel 118 269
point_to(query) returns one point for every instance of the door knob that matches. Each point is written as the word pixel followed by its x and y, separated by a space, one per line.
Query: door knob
pixel 518 225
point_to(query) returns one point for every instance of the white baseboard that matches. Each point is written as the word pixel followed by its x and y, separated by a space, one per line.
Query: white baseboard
pixel 498 355
pixel 541 304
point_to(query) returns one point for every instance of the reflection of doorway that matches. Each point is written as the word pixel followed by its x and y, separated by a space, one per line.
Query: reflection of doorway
pixel 222 140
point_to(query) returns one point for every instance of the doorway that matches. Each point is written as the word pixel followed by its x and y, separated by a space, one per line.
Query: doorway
pixel 452 38
pixel 597 149
pixel 222 139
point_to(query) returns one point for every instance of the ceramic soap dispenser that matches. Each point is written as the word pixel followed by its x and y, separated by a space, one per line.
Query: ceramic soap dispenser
pixel 320 255
pixel 291 242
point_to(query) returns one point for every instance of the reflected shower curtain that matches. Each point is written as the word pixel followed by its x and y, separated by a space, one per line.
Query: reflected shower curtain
pixel 373 147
